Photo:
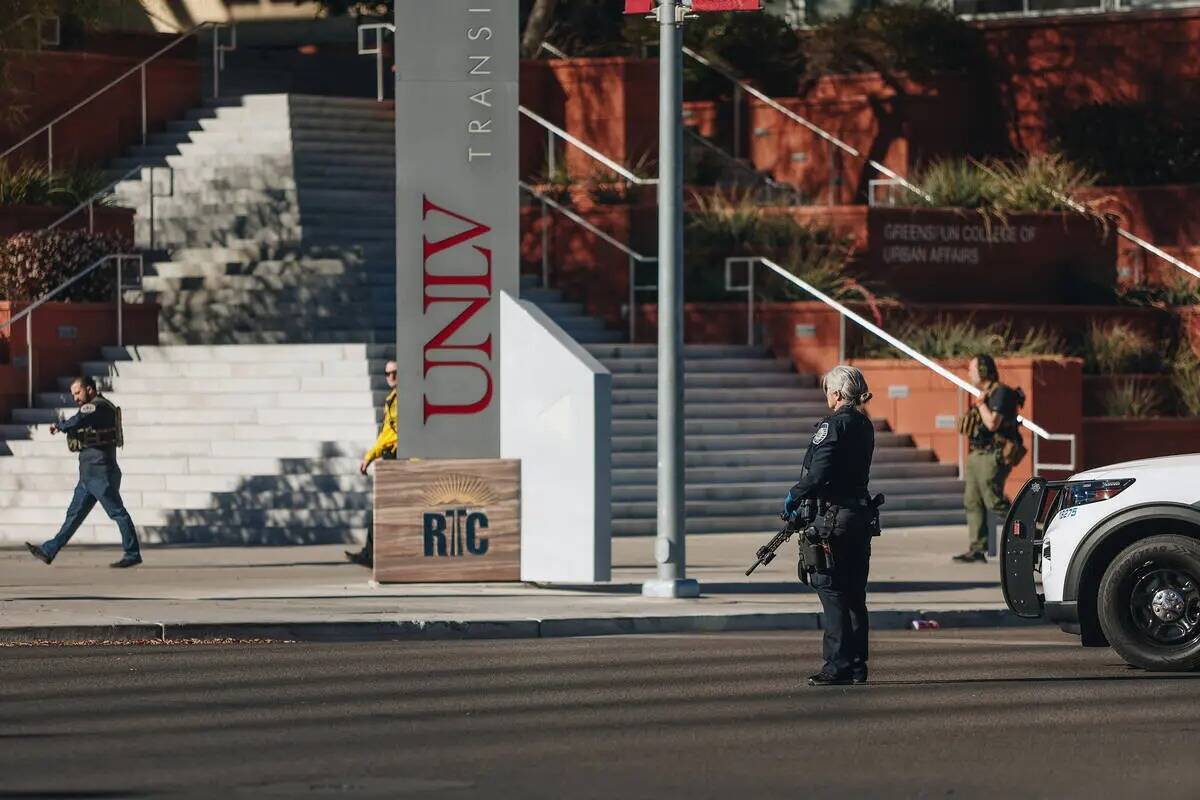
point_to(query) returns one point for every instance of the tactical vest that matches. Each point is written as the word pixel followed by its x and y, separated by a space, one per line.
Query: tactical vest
pixel 85 437
pixel 971 425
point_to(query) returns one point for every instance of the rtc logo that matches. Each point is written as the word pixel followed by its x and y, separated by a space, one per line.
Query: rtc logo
pixel 454 530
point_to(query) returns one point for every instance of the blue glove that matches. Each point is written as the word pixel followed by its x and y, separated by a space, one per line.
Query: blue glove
pixel 791 505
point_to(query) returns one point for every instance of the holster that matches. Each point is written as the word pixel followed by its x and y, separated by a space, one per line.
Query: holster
pixel 815 554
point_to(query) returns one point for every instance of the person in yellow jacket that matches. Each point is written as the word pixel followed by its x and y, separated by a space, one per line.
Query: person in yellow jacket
pixel 384 447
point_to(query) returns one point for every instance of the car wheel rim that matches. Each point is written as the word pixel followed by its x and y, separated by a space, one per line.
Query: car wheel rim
pixel 1165 605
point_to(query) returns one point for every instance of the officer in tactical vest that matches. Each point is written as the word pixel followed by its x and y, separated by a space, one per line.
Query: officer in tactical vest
pixel 836 468
pixel 385 448
pixel 95 433
pixel 994 447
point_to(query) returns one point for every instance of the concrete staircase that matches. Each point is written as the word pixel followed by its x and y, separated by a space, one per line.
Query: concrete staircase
pixel 748 420
pixel 280 224
pixel 226 444
pixel 274 264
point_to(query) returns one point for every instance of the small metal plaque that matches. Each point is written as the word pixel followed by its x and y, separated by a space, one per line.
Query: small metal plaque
pixel 805 330
pixel 898 391
pixel 945 422
pixel 799 158
pixel 68 332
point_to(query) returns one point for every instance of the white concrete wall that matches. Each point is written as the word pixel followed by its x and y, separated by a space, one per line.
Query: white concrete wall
pixel 556 417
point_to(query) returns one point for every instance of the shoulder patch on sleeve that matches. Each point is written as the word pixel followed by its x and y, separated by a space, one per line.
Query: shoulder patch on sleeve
pixel 87 408
pixel 821 434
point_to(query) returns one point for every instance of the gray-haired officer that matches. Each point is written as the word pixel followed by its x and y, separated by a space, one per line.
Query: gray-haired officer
pixel 95 433
pixel 836 469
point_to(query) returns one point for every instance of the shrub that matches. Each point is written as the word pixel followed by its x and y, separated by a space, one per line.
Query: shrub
pixel 32 264
pixel 1116 347
pixel 1177 290
pixel 1138 143
pixel 995 187
pixel 731 223
pixel 962 338
pixel 32 184
pixel 1185 380
pixel 1131 398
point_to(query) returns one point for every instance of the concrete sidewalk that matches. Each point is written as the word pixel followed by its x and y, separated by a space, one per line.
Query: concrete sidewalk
pixel 313 593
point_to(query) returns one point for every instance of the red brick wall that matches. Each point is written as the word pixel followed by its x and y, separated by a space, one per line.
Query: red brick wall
pixel 1112 440
pixel 14 219
pixel 1056 62
pixel 897 129
pixel 56 355
pixel 49 83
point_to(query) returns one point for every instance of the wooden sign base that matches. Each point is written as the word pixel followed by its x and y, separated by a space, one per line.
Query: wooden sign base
pixel 447 520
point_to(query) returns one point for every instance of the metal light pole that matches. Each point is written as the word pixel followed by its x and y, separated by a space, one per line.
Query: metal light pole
pixel 669 549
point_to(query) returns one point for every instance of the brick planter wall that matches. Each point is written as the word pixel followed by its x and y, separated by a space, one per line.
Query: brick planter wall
pixel 14 219
pixel 915 400
pixel 50 82
pixel 64 335
pixel 1111 440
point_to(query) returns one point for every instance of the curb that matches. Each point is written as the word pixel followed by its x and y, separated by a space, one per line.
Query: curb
pixel 442 630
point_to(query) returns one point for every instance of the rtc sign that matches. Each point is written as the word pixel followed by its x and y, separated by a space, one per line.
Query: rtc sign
pixel 646 6
pixel 456 220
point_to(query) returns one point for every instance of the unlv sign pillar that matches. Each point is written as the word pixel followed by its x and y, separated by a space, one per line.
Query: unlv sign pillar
pixel 456 220
pixel 454 514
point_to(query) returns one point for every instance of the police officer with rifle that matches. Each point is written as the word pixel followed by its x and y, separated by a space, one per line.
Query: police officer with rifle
pixel 836 517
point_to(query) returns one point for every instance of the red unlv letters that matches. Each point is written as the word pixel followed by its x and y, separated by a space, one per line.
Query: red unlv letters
pixel 460 289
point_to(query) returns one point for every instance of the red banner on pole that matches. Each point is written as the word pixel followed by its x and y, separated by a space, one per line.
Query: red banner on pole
pixel 646 6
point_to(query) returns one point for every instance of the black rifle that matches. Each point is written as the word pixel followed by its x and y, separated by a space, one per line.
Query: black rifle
pixel 801 520
pixel 766 553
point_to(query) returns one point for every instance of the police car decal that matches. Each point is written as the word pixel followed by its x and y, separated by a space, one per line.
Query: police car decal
pixel 821 433
pixel 87 408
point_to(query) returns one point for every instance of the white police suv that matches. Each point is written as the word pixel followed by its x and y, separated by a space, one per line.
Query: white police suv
pixel 1118 552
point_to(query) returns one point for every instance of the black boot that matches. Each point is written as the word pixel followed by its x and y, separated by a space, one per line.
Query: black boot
pixel 824 678
pixel 38 553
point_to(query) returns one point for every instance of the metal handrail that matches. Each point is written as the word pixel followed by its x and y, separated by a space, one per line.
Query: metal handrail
pixel 792 115
pixel 634 257
pixel 1038 431
pixel 27 313
pixel 90 203
pixel 591 151
pixel 833 140
pixel 219 51
pixel 377 50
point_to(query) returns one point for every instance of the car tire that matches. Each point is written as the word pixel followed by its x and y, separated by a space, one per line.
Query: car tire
pixel 1149 603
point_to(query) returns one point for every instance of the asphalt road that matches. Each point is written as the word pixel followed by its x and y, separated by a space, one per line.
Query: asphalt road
pixel 991 713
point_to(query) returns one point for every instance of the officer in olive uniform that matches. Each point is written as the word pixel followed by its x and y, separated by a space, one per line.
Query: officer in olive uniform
pixel 836 468
pixel 993 448
pixel 95 433
pixel 385 448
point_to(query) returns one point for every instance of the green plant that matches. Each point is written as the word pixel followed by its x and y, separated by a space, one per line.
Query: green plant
pixel 1176 290
pixel 951 183
pixel 1117 347
pixel 32 264
pixel 962 338
pixel 996 187
pixel 556 181
pixel 1185 380
pixel 1041 182
pixel 33 184
pixel 1131 397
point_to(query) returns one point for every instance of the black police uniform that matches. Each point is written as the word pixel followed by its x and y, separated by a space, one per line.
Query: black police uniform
pixel 95 431
pixel 836 469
